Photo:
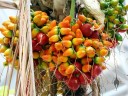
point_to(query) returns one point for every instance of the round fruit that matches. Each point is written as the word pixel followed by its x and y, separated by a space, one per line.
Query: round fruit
pixel 96 70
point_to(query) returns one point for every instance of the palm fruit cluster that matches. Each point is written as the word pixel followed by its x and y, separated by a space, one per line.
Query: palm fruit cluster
pixel 115 21
pixel 9 40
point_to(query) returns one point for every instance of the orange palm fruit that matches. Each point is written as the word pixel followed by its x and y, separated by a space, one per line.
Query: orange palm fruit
pixel 96 26
pixel 13 19
pixel 54 38
pixel 79 34
pixel 45 17
pixel 82 18
pixel 90 51
pixel 79 23
pixel 15 40
pixel 17 33
pixel 3 48
pixel 6 23
pixel 64 24
pixel 67 18
pixel 90 20
pixel 67 37
pixel 72 33
pixel 107 44
pixel 1 40
pixel 12 26
pixel 9 59
pixel 44 14
pixel 80 48
pixel 36 55
pixel 62 59
pixel 75 27
pixel 65 31
pixel 70 69
pixel 66 43
pixel 62 68
pixel 104 36
pixel 54 59
pixel 52 24
pixel 37 12
pixel 80 54
pixel 86 60
pixel 52 66
pixel 6 40
pixel 53 32
pixel 86 68
pixel 68 52
pixel 7 33
pixel 58 46
pixel 16 63
pixel 47 58
pixel 8 52
pixel 95 44
pixel 88 42
pixel 42 22
pixel 73 56
pixel 77 41
pixel 103 52
pixel 103 66
pixel 3 29
pixel 99 60
pixel 35 31
pixel 45 29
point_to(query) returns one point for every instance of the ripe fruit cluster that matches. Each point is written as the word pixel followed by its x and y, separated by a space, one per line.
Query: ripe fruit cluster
pixel 115 22
pixel 76 53
pixel 9 39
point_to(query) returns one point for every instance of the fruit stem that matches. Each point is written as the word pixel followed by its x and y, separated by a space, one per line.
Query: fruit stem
pixel 72 11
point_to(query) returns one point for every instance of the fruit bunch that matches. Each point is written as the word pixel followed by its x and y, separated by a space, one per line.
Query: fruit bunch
pixel 9 39
pixel 115 22
pixel 76 53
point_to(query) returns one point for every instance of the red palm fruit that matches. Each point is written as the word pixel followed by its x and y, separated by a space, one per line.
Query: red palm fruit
pixel 79 23
pixel 47 58
pixel 58 46
pixel 67 18
pixel 86 29
pixel 35 31
pixel 90 51
pixel 107 44
pixel 86 68
pixel 88 42
pixel 73 83
pixel 52 24
pixel 66 43
pixel 68 52
pixel 75 27
pixel 85 78
pixel 65 31
pixel 82 18
pixel 52 66
pixel 62 68
pixel 37 48
pixel 53 32
pixel 81 53
pixel 58 75
pixel 45 29
pixel 42 38
pixel 95 35
pixel 79 34
pixel 67 37
pixel 64 24
pixel 86 60
pixel 78 67
pixel 96 70
pixel 77 41
pixel 35 62
pixel 70 69
pixel 54 38
pixel 36 55
pixel 62 59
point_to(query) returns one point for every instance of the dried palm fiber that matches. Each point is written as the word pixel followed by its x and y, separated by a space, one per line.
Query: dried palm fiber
pixel 26 83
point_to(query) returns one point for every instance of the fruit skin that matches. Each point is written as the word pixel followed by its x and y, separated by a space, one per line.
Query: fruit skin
pixel 47 58
pixel 3 48
pixel 90 51
pixel 78 67
pixel 35 31
pixel 68 52
pixel 35 46
pixel 85 78
pixel 8 52
pixel 86 60
pixel 96 70
pixel 77 41
pixel 86 68
pixel 99 60
pixel 66 43
pixel 80 54
pixel 52 66
pixel 103 52
pixel 35 55
pixel 88 42
pixel 79 33
pixel 73 83
pixel 70 69
pixel 58 75
pixel 54 38
pixel 82 18
pixel 95 35
pixel 86 29
pixel 42 39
